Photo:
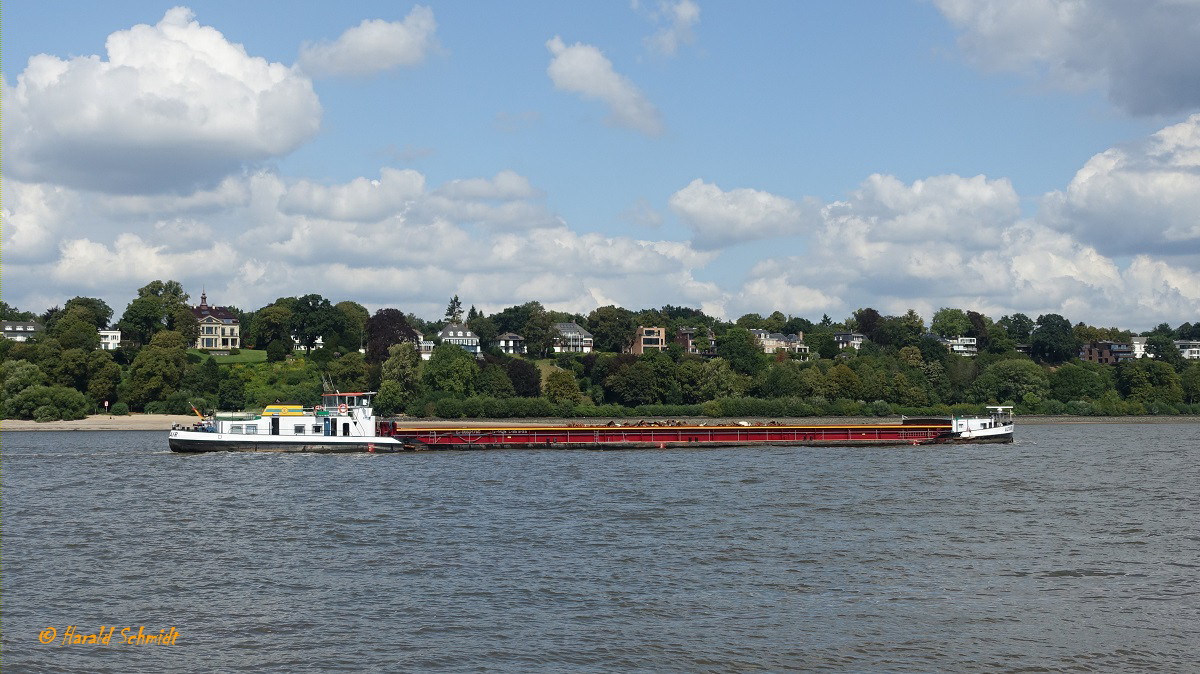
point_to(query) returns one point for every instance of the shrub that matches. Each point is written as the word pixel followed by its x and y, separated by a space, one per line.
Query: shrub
pixel 63 403
pixel 120 409
pixel 46 413
pixel 449 408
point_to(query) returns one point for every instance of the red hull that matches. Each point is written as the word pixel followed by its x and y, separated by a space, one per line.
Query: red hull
pixel 620 437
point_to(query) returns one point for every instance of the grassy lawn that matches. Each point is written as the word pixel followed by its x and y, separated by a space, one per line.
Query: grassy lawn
pixel 545 366
pixel 246 356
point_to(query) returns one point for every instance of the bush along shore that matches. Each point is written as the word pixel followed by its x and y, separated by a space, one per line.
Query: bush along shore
pixel 895 368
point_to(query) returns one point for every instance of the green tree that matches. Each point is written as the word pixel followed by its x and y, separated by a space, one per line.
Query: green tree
pixel 47 403
pixel 1149 382
pixel 844 382
pixel 720 381
pixel 899 331
pixel 354 324
pixel 1010 380
pixel 539 333
pixel 97 311
pixel 485 329
pixel 561 386
pixel 741 350
pixel 209 376
pixel 632 385
pixel 980 326
pixel 104 375
pixel 73 369
pixel 1162 348
pixel 691 381
pixel 450 369
pixel 403 367
pixel 1080 382
pixel 513 319
pixel 156 308
pixel 231 395
pixel 142 318
pixel 612 328
pixel 313 317
pixel 911 356
pixel 525 377
pixel 8 313
pixel 821 343
pixel 1019 327
pixel 1053 341
pixel 75 329
pixel 750 321
pixel 454 311
pixel 1190 383
pixel 783 380
pixel 391 399
pixel 868 321
pixel 493 381
pixel 182 320
pixel 349 373
pixel 157 370
pixel 278 350
pixel 949 322
pixel 271 324
pixel 18 375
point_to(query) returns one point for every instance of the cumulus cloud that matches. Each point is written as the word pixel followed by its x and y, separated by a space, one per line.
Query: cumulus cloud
pixel 719 218
pixel 359 200
pixel 1145 55
pixel 34 217
pixel 1143 197
pixel 960 242
pixel 132 260
pixel 373 46
pixel 680 18
pixel 506 184
pixel 174 106
pixel 583 69
pixel 641 213
pixel 941 208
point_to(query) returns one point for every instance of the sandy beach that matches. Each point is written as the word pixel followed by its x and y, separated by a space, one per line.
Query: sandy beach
pixel 163 422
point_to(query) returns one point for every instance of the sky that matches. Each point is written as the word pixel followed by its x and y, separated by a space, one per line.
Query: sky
pixel 1034 156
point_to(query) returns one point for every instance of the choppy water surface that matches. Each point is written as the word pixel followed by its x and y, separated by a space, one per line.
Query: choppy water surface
pixel 1078 548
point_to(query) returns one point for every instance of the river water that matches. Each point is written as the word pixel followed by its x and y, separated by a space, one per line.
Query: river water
pixel 1077 548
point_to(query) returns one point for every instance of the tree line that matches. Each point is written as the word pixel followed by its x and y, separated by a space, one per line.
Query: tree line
pixel 901 368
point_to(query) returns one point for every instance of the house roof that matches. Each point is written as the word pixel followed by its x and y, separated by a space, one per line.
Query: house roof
pixel 511 336
pixel 203 311
pixel 571 329
pixel 455 327
pixel 30 325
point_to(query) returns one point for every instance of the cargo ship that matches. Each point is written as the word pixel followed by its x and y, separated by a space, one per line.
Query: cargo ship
pixel 346 422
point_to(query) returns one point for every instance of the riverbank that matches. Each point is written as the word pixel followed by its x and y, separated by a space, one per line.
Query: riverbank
pixel 163 422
